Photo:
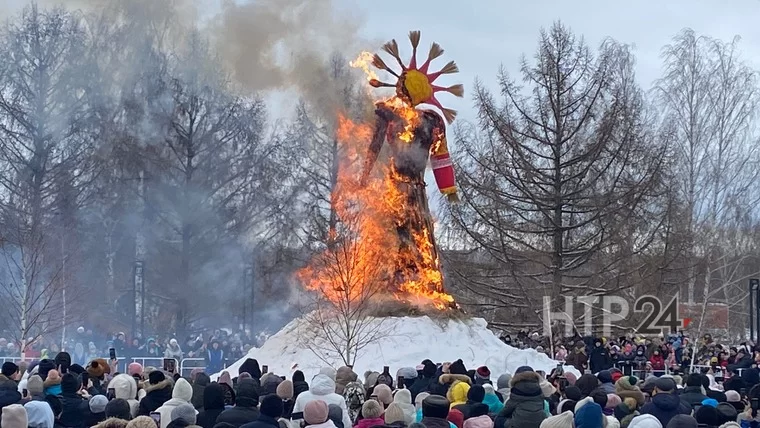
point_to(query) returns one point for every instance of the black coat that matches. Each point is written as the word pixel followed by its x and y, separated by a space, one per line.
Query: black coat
pixel 213 405
pixel 76 410
pixel 199 385
pixel 299 386
pixel 246 402
pixel 155 397
pixel 599 359
pixel 692 395
pixel 263 421
pixel 421 384
pixel 664 406
pixel 525 407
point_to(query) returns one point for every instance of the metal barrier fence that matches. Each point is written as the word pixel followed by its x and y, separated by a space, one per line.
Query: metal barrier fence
pixel 186 365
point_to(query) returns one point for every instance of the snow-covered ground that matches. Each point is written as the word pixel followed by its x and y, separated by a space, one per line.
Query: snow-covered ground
pixel 408 341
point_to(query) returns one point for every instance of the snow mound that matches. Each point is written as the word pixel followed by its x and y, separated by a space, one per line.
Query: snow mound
pixel 408 341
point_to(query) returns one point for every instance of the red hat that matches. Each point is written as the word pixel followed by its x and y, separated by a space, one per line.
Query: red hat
pixel 483 372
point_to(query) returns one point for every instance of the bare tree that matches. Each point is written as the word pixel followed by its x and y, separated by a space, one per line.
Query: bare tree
pixel 345 282
pixel 560 184
pixel 44 156
pixel 710 97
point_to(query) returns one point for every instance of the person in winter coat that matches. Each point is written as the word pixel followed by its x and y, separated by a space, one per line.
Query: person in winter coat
pixel 225 380
pixel 182 393
pixel 251 366
pixel 75 408
pixel 97 414
pixel 606 383
pixel 372 411
pixel 39 415
pixel 502 386
pixel 435 410
pixel 354 396
pixel 199 385
pixel 125 387
pixel 246 405
pixel 693 394
pixel 475 396
pixel 588 414
pixel 600 358
pixel 271 411
pixel 269 384
pixel 343 377
pixel 317 415
pixel 35 388
pixel 173 351
pixel 214 358
pixel 627 387
pixel 157 392
pixel 52 385
pixel 658 362
pixel 457 393
pixel 299 383
pixel 492 400
pixel 665 403
pixel 403 399
pixel 285 392
pixel 213 405
pixel 322 388
pixel 525 407
pixel 426 378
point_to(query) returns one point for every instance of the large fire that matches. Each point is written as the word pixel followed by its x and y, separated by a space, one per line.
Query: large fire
pixel 364 252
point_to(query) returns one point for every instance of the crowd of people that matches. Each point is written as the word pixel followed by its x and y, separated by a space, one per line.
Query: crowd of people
pixel 217 347
pixel 58 393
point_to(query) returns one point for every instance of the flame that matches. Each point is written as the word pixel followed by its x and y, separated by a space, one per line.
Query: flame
pixel 364 253
pixel 364 62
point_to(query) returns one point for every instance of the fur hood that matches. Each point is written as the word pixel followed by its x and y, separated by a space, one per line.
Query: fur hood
pixel 451 378
pixel 524 377
pixel 166 383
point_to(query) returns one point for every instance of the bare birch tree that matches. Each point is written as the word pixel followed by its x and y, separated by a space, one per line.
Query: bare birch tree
pixel 561 180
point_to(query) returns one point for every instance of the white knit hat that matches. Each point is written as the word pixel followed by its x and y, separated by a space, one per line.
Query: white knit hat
pixel 563 420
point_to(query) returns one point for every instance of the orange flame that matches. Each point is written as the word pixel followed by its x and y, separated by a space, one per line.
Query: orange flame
pixel 364 62
pixel 365 253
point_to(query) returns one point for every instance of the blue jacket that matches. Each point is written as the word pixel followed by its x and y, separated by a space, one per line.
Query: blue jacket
pixel 214 361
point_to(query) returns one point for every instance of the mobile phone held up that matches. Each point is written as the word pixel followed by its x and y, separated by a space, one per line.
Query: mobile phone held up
pixel 170 365
pixel 111 394
pixel 112 353
pixel 85 380
pixel 156 418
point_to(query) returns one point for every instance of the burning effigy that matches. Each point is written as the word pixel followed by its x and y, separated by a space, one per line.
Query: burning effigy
pixel 386 242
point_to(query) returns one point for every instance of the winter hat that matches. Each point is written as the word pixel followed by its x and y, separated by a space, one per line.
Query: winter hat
pixel 372 409
pixel 53 378
pixel 394 413
pixel 335 414
pixel 98 403
pixel 523 369
pixel 118 408
pixel 70 383
pixel 665 384
pixel 271 405
pixel 566 405
pixel 726 413
pixel 402 396
pixel 613 400
pixel 616 375
pixel 573 393
pixel 182 390
pixel 626 383
pixel 34 385
pixel 694 379
pixel 285 390
pixel 435 406
pixel 733 396
pixel 547 389
pixel 503 381
pixel 456 417
pixel 98 368
pixel 383 393
pixel 329 372
pixel 476 394
pixel 645 421
pixel 419 399
pixel 316 412
pixel 134 369
pixel 457 367
pixel 482 421
pixel 9 369
pixel 604 376
pixel 407 373
pixel 14 416
pixel 710 402
pixel 155 377
pixel 184 412
pixel 563 420
pixel 44 367
pixel 76 369
pixel 39 414
pixel 483 372
pixel 142 422
pixel 707 415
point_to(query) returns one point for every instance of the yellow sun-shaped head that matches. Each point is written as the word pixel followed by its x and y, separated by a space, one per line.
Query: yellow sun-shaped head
pixel 416 86
pixel 415 83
